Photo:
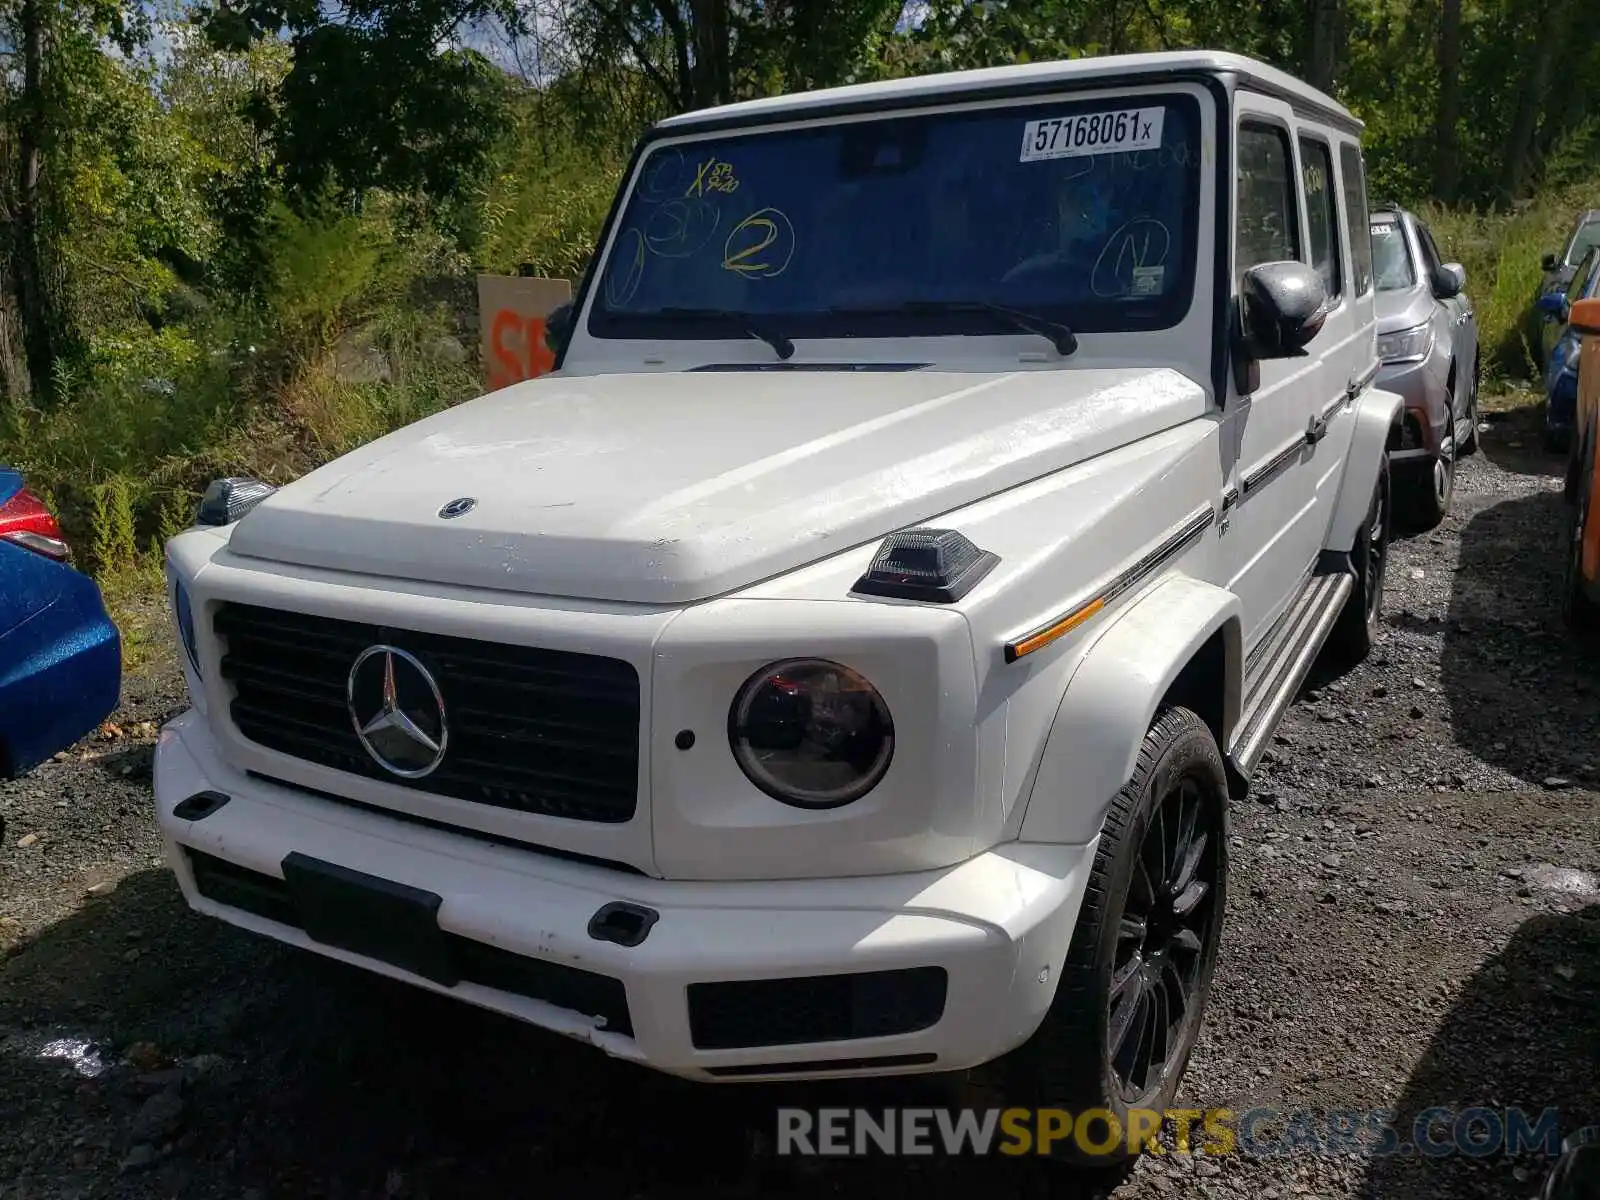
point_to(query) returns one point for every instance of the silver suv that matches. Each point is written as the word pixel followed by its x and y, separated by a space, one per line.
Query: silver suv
pixel 1428 341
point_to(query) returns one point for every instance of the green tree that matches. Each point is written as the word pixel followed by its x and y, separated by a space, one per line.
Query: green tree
pixel 377 94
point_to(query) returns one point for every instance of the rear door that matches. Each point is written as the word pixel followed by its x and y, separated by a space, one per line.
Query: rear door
pixel 1344 348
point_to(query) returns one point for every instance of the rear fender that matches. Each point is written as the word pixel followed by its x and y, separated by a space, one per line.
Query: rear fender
pixel 1112 698
pixel 1376 412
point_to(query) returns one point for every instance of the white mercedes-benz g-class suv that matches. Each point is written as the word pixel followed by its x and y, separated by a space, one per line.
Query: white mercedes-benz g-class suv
pixel 842 662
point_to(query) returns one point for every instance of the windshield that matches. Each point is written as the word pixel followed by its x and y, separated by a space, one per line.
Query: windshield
pixel 1391 262
pixel 1081 212
pixel 1588 235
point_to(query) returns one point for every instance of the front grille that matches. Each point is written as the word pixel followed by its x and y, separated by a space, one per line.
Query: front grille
pixel 534 730
pixel 745 1014
pixel 477 962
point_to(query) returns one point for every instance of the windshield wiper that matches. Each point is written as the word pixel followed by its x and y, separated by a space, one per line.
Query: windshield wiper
pixel 748 325
pixel 1060 336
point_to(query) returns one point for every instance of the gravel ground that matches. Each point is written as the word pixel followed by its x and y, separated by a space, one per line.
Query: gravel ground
pixel 1414 921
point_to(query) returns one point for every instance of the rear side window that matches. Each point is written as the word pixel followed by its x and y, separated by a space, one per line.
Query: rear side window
pixel 1268 217
pixel 1322 213
pixel 1354 179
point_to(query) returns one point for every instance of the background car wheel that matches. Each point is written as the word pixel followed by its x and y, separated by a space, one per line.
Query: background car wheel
pixel 1423 496
pixel 1356 631
pixel 1133 989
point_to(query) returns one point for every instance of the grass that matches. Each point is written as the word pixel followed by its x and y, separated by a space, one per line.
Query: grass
pixel 1501 252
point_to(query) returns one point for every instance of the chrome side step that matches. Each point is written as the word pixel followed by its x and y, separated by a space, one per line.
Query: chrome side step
pixel 1278 667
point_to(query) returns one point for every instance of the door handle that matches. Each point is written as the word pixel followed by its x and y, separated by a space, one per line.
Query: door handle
pixel 1316 430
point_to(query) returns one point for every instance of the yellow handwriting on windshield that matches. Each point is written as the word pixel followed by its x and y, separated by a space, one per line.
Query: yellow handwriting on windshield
pixel 713 175
pixel 760 246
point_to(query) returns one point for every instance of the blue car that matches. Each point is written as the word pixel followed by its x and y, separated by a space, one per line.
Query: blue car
pixel 60 655
pixel 1560 347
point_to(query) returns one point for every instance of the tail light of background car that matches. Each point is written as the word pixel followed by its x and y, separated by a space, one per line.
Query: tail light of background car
pixel 26 522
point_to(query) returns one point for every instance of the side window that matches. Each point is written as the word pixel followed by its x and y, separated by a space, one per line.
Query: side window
pixel 1322 213
pixel 1268 224
pixel 1353 177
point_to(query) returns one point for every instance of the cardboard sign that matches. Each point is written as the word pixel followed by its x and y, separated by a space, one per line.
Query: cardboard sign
pixel 511 313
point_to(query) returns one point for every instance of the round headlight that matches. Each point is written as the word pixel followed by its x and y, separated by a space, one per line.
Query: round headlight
pixel 185 618
pixel 811 733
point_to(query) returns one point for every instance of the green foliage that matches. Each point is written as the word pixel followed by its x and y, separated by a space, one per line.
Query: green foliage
pixel 375 95
pixel 1501 252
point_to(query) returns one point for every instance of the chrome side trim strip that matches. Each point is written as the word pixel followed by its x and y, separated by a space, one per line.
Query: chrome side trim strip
pixel 1124 581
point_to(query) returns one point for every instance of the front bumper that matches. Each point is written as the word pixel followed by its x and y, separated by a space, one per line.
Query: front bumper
pixel 932 971
pixel 1426 406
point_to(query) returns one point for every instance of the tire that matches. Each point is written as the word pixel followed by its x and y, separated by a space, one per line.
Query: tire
pixel 1111 996
pixel 1423 496
pixel 1356 631
pixel 1469 444
pixel 1578 609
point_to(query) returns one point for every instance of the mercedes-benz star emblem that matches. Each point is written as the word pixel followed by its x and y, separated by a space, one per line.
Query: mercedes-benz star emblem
pixel 397 711
pixel 458 507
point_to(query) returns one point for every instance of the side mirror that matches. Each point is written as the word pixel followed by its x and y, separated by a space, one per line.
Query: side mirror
pixel 1553 304
pixel 558 327
pixel 1548 262
pixel 1449 280
pixel 1281 308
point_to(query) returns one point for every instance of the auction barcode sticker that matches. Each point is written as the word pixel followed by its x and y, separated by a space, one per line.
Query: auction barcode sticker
pixel 1092 133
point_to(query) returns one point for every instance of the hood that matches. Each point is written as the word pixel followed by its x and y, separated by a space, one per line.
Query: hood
pixel 666 488
pixel 1403 309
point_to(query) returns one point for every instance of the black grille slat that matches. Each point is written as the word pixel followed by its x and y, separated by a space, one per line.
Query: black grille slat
pixel 533 730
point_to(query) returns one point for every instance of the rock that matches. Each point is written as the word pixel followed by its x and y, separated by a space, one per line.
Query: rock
pixel 1524 890
pixel 1512 872
pixel 1204 1166
pixel 26 840
pixel 1380 691
pixel 1419 683
pixel 139 1157
pixel 1417 712
pixel 146 1056
pixel 1555 783
pixel 159 1118
pixel 1331 862
pixel 1565 972
pixel 202 1065
pixel 104 888
pixel 170 1079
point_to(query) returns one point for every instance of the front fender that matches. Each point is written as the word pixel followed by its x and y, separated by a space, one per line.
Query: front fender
pixel 1376 413
pixel 1112 697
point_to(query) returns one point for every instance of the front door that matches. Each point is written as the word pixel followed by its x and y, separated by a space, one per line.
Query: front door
pixel 1271 537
